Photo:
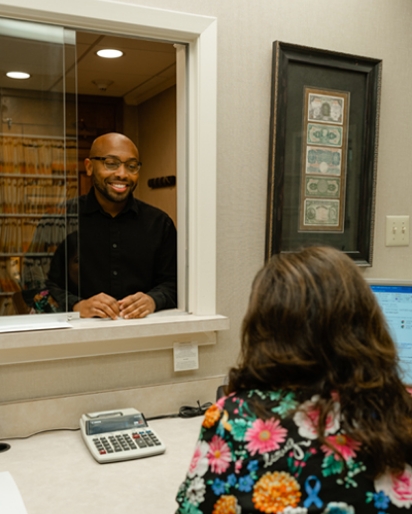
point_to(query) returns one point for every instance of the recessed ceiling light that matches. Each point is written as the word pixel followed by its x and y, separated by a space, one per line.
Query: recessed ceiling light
pixel 109 53
pixel 20 75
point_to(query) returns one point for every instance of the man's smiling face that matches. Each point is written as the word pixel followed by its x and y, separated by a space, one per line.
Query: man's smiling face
pixel 112 186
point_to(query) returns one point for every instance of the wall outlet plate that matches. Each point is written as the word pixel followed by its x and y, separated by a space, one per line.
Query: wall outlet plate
pixel 397 230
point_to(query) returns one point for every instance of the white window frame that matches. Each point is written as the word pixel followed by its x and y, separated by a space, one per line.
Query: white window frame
pixel 196 147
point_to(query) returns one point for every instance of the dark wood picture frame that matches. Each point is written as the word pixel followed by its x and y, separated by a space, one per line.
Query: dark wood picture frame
pixel 297 69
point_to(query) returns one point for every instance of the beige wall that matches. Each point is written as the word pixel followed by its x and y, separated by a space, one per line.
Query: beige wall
pixel 130 122
pixel 152 125
pixel 157 147
pixel 246 30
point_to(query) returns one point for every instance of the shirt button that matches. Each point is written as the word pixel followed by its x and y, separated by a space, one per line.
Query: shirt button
pixel 114 245
pixel 114 273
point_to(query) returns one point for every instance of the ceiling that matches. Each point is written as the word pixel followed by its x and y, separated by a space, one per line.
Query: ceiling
pixel 145 69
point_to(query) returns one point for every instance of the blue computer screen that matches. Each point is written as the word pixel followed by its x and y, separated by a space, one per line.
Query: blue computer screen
pixel 396 304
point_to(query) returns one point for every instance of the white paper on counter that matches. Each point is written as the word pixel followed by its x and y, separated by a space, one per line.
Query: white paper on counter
pixel 11 501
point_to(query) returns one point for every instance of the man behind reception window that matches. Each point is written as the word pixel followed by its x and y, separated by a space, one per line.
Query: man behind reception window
pixel 126 248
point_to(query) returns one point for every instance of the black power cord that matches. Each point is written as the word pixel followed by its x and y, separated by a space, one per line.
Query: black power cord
pixel 191 412
pixel 186 412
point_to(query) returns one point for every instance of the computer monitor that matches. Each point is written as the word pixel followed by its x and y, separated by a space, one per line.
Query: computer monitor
pixel 395 300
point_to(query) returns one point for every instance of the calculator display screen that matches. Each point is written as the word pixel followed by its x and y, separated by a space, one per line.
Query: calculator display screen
pixel 102 425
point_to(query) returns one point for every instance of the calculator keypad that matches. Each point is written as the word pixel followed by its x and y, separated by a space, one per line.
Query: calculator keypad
pixel 125 442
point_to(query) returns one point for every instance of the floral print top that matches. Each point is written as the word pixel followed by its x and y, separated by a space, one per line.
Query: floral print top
pixel 244 464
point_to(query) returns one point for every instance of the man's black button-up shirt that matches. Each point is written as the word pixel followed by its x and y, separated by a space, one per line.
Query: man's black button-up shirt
pixel 132 252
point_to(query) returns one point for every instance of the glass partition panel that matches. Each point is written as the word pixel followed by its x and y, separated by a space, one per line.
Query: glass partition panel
pixel 38 161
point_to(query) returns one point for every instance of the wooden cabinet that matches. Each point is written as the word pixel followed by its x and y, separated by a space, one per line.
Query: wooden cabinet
pixel 37 175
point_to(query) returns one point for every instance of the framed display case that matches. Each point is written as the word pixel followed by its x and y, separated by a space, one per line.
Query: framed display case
pixel 323 151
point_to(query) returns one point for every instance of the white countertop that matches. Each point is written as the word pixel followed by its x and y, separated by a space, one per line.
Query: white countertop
pixel 55 472
pixel 88 337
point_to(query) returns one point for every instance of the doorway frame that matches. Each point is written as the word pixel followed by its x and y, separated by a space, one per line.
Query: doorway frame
pixel 196 127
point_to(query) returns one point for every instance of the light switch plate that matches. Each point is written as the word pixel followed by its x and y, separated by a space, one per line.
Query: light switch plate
pixel 397 230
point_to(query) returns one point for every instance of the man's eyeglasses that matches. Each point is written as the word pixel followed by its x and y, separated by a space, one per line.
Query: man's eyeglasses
pixel 112 163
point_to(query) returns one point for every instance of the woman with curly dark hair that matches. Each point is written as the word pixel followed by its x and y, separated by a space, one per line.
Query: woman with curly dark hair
pixel 317 419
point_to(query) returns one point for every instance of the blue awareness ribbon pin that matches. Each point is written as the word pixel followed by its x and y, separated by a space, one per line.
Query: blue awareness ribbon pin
pixel 312 491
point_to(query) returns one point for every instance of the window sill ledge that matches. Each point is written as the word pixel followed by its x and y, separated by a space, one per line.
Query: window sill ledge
pixel 92 337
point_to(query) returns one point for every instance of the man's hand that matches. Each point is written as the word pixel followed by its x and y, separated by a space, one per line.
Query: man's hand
pixel 99 306
pixel 136 305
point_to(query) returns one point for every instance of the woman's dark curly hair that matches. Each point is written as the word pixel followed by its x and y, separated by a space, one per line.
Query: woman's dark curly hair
pixel 313 324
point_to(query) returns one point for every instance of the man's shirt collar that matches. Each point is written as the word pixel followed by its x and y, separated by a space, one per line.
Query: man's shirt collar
pixel 92 205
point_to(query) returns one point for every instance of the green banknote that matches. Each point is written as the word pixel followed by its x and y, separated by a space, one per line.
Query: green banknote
pixel 326 135
pixel 321 213
pixel 322 187
pixel 325 161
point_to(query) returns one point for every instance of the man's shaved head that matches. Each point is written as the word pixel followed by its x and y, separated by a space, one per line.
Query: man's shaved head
pixel 112 139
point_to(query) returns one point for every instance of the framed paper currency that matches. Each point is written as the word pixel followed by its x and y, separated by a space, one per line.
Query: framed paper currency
pixel 323 151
